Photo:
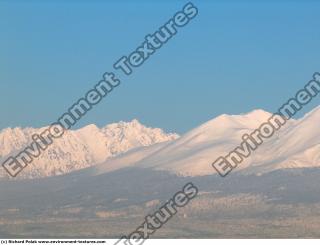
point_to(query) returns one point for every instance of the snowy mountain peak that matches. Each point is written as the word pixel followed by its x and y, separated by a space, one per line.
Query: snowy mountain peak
pixel 258 114
pixel 315 113
pixel 225 124
pixel 91 128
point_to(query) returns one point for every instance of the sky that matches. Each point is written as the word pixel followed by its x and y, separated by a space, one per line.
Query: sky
pixel 235 56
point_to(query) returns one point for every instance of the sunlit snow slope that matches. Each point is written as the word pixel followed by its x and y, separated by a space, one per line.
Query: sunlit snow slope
pixel 296 145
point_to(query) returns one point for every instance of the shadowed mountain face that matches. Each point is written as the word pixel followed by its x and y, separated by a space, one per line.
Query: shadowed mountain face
pixel 273 194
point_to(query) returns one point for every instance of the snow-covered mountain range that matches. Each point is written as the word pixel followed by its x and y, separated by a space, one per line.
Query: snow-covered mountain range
pixel 81 148
pixel 121 145
pixel 296 145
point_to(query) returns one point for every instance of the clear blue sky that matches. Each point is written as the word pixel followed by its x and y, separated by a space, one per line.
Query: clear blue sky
pixel 235 56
